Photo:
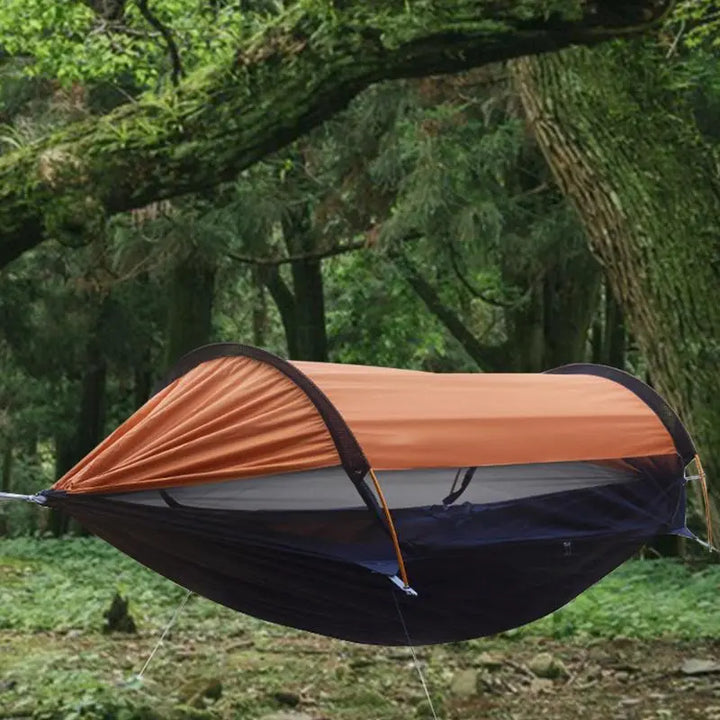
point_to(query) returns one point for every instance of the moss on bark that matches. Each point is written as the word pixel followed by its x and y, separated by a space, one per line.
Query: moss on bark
pixel 305 66
pixel 625 150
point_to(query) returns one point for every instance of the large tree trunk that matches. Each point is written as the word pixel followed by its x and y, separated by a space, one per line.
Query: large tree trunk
pixel 307 65
pixel 625 151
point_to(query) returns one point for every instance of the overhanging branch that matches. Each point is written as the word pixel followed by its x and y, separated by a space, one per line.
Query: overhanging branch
pixel 280 84
pixel 316 255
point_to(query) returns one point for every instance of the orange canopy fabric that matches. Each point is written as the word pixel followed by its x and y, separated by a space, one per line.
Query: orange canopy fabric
pixel 227 418
pixel 235 417
pixel 411 419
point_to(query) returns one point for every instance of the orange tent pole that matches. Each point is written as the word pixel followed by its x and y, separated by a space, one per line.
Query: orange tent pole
pixel 391 527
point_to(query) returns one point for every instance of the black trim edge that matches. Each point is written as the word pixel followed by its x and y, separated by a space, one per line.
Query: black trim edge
pixel 351 454
pixel 669 418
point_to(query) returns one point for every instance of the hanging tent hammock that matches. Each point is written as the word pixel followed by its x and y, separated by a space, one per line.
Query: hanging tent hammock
pixel 294 491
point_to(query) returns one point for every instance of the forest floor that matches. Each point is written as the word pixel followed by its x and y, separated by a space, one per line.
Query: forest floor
pixel 305 677
pixel 642 644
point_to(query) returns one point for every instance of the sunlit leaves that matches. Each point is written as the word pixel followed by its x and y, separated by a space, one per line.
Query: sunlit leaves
pixel 697 22
pixel 71 43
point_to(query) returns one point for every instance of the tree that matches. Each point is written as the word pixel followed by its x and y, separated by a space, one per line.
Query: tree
pixel 624 147
pixel 498 257
pixel 307 63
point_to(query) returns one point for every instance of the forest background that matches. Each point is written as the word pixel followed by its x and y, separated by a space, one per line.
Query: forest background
pixel 467 186
pixel 307 177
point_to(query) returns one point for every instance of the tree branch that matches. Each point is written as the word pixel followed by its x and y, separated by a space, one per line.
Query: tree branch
pixel 467 284
pixel 177 68
pixel 282 82
pixel 317 255
pixel 491 358
pixel 284 299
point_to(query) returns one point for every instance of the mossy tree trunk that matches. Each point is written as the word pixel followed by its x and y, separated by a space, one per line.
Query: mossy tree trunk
pixel 625 150
pixel 304 67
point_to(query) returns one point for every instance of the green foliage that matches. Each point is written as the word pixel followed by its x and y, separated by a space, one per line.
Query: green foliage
pixel 374 317
pixel 641 599
pixel 697 23
pixel 73 43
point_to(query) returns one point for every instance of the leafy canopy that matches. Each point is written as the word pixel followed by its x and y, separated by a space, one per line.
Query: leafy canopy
pixel 74 43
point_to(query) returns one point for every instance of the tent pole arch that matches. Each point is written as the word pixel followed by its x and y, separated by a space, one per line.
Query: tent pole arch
pixel 349 450
pixel 351 454
pixel 669 418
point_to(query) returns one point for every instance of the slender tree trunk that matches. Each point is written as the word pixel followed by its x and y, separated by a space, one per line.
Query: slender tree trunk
pixel 624 149
pixel 526 333
pixel 259 313
pixel 614 339
pixel 7 467
pixel 609 335
pixel 572 297
pixel 142 380
pixel 285 302
pixel 310 310
pixel 551 326
pixel 91 421
pixel 308 290
pixel 65 458
pixel 6 481
pixel 192 284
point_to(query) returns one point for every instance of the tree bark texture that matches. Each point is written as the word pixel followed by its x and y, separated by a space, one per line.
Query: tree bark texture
pixel 306 65
pixel 624 150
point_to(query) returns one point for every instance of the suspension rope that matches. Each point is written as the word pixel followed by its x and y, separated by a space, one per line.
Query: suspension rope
pixel 414 656
pixel 8 497
pixel 164 633
pixel 391 528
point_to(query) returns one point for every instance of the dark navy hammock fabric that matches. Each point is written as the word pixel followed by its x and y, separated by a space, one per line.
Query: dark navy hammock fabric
pixel 477 569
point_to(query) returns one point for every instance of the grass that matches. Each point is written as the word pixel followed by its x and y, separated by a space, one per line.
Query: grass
pixel 56 663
